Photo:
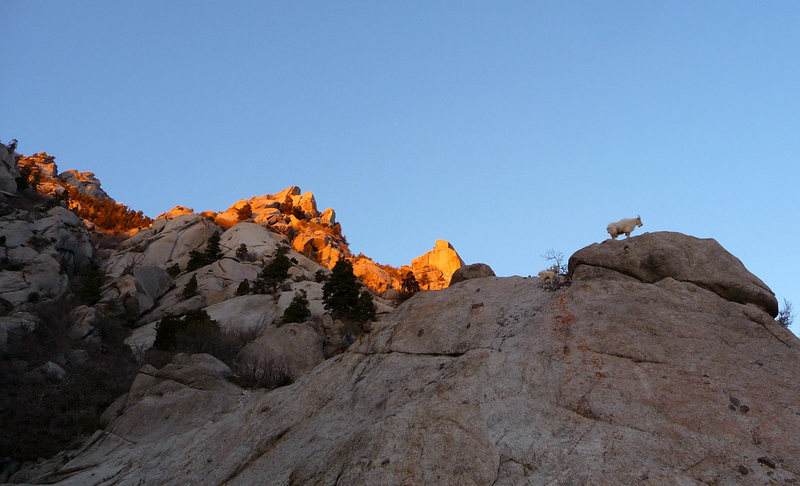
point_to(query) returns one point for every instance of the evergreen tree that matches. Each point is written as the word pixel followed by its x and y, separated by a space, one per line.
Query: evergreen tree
pixel 174 270
pixel 274 273
pixel 196 332
pixel 409 286
pixel 343 297
pixel 243 288
pixel 287 205
pixel 191 287
pixel 244 212
pixel 89 292
pixel 196 260
pixel 298 310
pixel 209 256
pixel 366 307
pixel 241 253
pixel 213 252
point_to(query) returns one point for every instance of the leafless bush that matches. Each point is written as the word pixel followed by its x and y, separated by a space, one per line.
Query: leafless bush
pixel 559 267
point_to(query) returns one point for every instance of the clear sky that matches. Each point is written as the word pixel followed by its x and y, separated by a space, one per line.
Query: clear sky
pixel 507 128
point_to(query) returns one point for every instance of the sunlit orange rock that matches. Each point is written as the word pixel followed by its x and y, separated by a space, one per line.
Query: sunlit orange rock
pixel 434 269
pixel 371 275
pixel 175 212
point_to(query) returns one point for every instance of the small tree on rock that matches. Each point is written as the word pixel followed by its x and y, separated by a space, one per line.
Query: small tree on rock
pixel 213 251
pixel 366 307
pixel 241 253
pixel 243 288
pixel 298 310
pixel 244 212
pixel 274 273
pixel 343 297
pixel 211 254
pixel 287 205
pixel 191 288
pixel 409 286
pixel 785 316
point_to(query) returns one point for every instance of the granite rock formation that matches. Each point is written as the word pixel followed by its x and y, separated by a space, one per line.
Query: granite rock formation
pixel 655 377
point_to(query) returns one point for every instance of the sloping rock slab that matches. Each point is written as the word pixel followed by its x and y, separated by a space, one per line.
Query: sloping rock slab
pixel 652 257
pixel 492 381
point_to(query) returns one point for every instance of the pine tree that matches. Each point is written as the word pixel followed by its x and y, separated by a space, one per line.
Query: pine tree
pixel 298 310
pixel 241 253
pixel 366 307
pixel 274 273
pixel 209 256
pixel 196 260
pixel 287 205
pixel 409 286
pixel 191 287
pixel 213 252
pixel 244 212
pixel 342 294
pixel 243 288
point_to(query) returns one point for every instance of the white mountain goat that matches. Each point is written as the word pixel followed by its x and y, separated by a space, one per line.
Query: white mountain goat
pixel 624 226
pixel 547 276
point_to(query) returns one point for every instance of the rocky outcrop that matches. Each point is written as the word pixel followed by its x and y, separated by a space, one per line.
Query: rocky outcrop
pixel 373 276
pixel 653 257
pixel 434 269
pixel 50 181
pixel 613 380
pixel 36 253
pixel 175 212
pixel 8 170
pixel 475 270
pixel 168 241
pixel 86 183
pixel 17 323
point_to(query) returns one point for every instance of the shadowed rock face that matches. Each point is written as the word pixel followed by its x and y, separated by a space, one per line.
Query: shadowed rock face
pixel 614 380
pixel 654 256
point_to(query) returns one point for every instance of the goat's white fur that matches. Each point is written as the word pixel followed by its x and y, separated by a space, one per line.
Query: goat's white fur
pixel 624 226
pixel 547 275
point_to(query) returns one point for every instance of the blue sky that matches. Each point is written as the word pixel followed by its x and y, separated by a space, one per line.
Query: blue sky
pixel 507 128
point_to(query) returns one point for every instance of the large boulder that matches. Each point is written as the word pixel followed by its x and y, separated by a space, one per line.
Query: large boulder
pixel 652 257
pixel 153 281
pixel 314 295
pixel 259 240
pixel 244 313
pixel 17 323
pixel 84 324
pixel 86 183
pixel 308 204
pixel 475 270
pixel 329 216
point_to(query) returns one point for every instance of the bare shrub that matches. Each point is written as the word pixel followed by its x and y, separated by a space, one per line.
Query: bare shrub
pixel 266 373
pixel 559 267
pixel 786 315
